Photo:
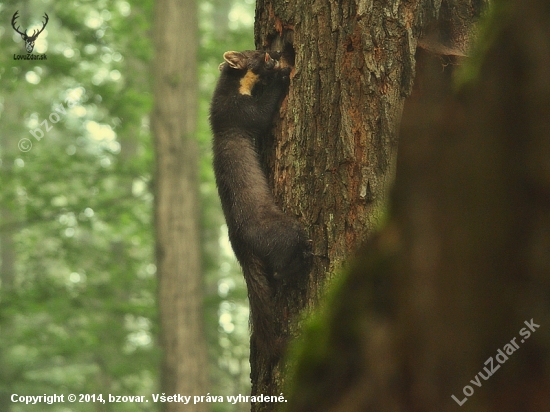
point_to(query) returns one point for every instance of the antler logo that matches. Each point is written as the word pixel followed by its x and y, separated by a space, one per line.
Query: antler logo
pixel 29 40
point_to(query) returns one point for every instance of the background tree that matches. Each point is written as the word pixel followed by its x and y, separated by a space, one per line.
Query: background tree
pixel 333 159
pixel 462 265
pixel 180 294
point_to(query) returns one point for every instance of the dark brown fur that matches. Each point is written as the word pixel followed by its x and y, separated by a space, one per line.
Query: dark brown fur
pixel 268 244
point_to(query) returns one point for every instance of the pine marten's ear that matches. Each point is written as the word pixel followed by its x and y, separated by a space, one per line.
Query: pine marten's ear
pixel 270 63
pixel 235 60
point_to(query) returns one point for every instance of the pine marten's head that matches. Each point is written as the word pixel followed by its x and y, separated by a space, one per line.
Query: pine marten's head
pixel 253 67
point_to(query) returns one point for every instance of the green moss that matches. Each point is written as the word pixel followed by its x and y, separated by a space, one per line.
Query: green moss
pixel 497 16
pixel 310 356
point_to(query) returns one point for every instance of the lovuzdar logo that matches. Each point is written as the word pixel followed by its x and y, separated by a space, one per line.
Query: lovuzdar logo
pixel 29 40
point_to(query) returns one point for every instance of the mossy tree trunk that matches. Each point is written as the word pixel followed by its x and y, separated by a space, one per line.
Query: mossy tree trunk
pixel 332 158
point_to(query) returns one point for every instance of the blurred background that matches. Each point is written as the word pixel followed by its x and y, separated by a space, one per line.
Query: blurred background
pixel 78 311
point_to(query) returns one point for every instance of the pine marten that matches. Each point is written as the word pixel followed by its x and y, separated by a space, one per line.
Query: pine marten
pixel 268 244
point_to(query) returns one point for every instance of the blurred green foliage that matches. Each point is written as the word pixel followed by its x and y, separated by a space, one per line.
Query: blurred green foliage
pixel 77 275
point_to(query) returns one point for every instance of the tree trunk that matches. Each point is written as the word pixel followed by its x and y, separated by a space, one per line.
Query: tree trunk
pixel 448 305
pixel 333 158
pixel 180 295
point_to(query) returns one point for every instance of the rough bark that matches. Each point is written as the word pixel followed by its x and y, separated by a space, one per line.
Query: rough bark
pixel 333 158
pixel 463 262
pixel 180 294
